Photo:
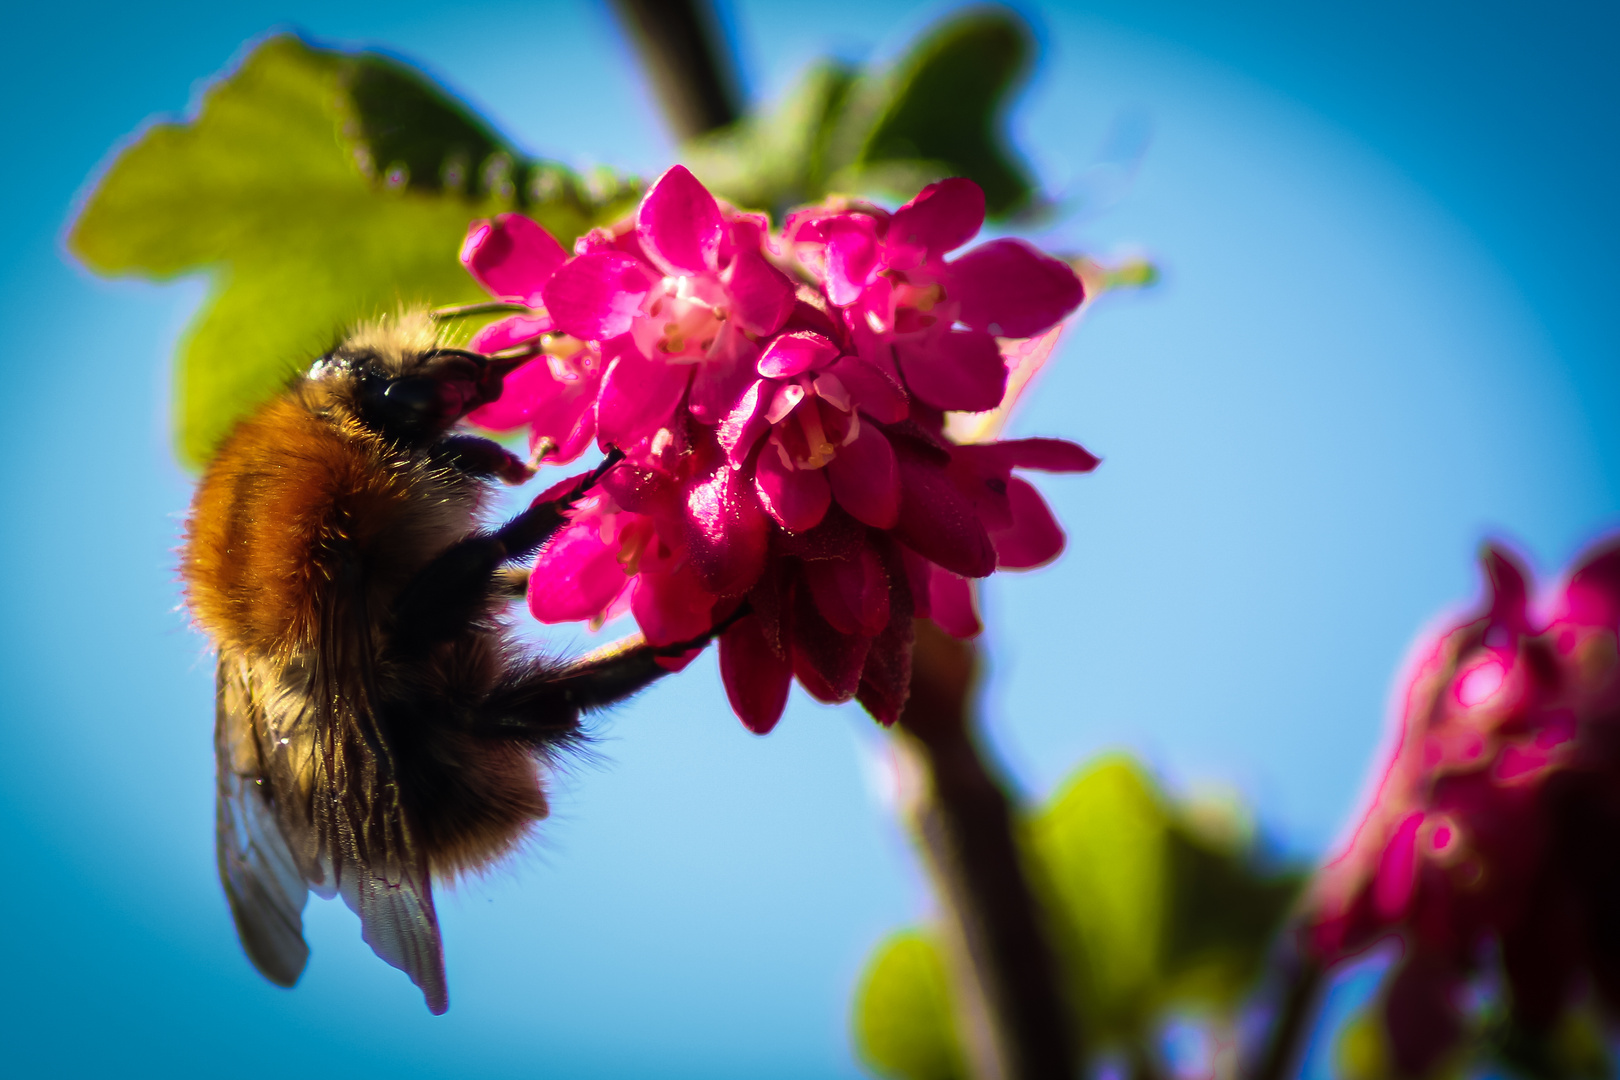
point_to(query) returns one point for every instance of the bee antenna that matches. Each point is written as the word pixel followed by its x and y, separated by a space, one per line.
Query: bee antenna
pixel 483 307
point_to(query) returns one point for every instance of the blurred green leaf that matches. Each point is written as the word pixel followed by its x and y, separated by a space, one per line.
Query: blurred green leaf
pixel 1361 1050
pixel 942 112
pixel 317 189
pixel 1223 915
pixel 1100 845
pixel 904 1026
pixel 1153 906
pixel 939 111
pixel 1158 907
pixel 777 160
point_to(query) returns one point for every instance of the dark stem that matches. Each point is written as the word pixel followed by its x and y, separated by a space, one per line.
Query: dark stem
pixel 1285 1047
pixel 682 51
pixel 1015 1020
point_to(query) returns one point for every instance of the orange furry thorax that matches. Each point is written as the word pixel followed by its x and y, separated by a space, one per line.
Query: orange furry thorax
pixel 289 493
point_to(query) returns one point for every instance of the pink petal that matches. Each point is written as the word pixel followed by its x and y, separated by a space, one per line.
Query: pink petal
pixel 886 675
pixel 756 678
pixel 852 256
pixel 942 217
pixel 1034 538
pixel 836 536
pixel 795 353
pixel 851 594
pixel 596 296
pixel 871 346
pixel 679 224
pixel 744 231
pixel 521 390
pixel 719 382
pixel 1046 455
pixel 919 577
pixel 938 522
pixel 637 398
pixel 642 490
pixel 1009 289
pixel 1592 597
pixel 875 393
pixel 769 599
pixel 1509 587
pixel 951 604
pixel 746 422
pixel 978 474
pixel 761 296
pixel 725 532
pixel 671 607
pixel 512 257
pixel 570 441
pixel 566 415
pixel 1397 869
pixel 577 576
pixel 796 498
pixel 957 370
pixel 828 663
pixel 503 334
pixel 865 479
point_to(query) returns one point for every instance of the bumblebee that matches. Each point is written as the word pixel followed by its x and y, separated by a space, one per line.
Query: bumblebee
pixel 375 726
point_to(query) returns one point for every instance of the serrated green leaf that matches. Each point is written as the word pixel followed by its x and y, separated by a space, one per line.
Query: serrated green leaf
pixel 427 140
pixel 942 111
pixel 904 1025
pixel 272 190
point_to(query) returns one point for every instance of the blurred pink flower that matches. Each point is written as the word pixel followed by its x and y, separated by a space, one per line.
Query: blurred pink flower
pixel 1498 817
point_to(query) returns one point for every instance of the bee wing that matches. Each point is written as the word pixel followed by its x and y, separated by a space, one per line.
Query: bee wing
pixel 360 823
pixel 262 881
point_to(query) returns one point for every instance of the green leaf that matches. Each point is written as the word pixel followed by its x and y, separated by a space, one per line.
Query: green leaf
pixel 942 111
pixel 1156 906
pixel 904 1025
pixel 1153 907
pixel 778 160
pixel 410 129
pixel 939 111
pixel 1101 849
pixel 1223 917
pixel 317 189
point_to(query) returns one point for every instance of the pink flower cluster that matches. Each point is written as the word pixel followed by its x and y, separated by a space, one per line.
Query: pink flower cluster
pixel 780 399
pixel 1497 823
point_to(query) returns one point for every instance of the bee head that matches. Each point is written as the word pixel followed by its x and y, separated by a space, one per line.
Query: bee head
pixel 397 380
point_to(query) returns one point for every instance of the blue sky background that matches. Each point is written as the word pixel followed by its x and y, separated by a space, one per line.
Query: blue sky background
pixel 1386 331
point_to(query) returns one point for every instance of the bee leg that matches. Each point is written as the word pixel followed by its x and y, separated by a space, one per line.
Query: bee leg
pixel 541 705
pixel 477 456
pixel 457 586
pixel 512 582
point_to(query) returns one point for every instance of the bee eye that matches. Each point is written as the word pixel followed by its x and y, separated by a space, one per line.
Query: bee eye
pixel 410 401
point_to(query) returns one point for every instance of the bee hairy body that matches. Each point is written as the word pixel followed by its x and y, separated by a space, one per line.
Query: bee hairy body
pixel 375 726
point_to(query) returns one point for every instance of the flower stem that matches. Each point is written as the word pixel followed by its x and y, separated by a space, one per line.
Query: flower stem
pixel 1015 1022
pixel 687 61
pixel 1285 1047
